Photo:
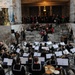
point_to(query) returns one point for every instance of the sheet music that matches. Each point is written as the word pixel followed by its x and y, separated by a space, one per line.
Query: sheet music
pixel 59 61
pixel 63 62
pixel 62 43
pixel 66 62
pixel 18 50
pixel 23 60
pixel 10 62
pixel 5 60
pixel 45 48
pixel 24 47
pixel 55 46
pixel 48 55
pixel 66 51
pixel 12 46
pixel 59 53
pixel 37 54
pixel 36 48
pixel 36 43
pixel 43 43
pixel 41 59
pixel 25 54
pixel 33 46
pixel 25 43
pixel 49 43
pixel 73 50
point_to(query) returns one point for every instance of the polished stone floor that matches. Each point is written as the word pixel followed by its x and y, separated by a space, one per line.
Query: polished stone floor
pixel 55 37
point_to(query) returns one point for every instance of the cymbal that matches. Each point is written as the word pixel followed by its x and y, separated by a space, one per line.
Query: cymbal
pixel 50 69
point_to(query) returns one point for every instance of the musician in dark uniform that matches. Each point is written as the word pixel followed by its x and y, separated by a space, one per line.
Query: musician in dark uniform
pixel 36 67
pixel 17 68
pixel 1 70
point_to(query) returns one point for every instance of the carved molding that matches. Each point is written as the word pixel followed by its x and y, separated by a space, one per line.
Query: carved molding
pixel 33 1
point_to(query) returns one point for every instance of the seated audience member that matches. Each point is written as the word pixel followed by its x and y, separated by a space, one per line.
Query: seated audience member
pixel 1 70
pixel 17 68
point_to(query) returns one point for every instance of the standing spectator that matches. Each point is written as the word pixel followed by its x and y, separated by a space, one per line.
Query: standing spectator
pixel 17 35
pixel 45 37
pixel 23 35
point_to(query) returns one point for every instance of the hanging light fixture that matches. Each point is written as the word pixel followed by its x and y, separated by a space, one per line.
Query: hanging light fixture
pixel 44 9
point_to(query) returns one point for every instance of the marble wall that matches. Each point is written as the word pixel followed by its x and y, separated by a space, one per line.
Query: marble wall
pixel 65 10
pixel 5 34
pixel 72 10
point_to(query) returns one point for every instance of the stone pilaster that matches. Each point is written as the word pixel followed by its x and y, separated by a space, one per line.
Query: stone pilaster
pixel 39 11
pixel 50 10
pixel 17 11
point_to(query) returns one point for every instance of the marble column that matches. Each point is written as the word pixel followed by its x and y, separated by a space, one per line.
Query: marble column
pixel 72 10
pixel 17 11
pixel 50 10
pixel 11 14
pixel 39 10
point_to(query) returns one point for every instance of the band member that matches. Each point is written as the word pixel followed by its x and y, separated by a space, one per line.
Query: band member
pixel 17 68
pixel 1 70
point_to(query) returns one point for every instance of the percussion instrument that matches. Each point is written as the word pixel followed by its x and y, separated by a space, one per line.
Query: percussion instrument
pixel 49 69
